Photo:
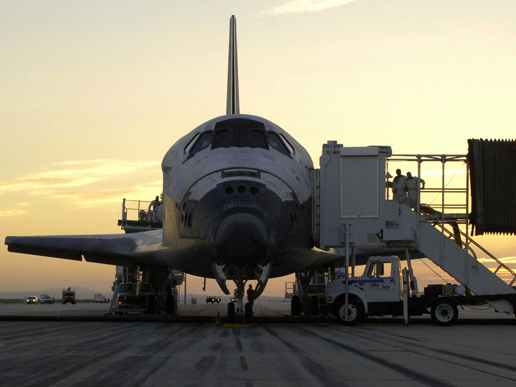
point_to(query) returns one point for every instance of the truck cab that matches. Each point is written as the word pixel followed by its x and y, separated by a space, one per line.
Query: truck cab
pixel 381 280
pixel 68 296
pixel 379 292
pixel 378 289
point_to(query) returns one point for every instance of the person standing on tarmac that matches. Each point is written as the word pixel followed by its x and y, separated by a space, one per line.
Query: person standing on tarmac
pixel 175 295
pixel 399 187
pixel 413 183
pixel 250 295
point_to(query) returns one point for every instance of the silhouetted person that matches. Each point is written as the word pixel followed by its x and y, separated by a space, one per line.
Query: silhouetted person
pixel 399 187
pixel 153 209
pixel 250 294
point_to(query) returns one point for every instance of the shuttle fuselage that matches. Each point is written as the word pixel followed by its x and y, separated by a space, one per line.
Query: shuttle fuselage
pixel 237 191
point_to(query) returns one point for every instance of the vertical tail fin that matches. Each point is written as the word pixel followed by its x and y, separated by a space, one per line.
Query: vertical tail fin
pixel 233 103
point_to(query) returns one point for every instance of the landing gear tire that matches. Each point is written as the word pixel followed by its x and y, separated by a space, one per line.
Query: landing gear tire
pixel 295 306
pixel 314 305
pixel 444 312
pixel 231 312
pixel 169 306
pixel 248 316
pixel 151 305
pixel 355 312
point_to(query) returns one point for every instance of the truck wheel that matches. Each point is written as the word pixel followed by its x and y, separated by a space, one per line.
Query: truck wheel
pixel 295 306
pixel 231 312
pixel 355 312
pixel 444 312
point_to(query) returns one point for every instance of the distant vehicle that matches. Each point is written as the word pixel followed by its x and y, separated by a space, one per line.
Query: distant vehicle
pixel 100 298
pixel 69 296
pixel 46 299
pixel 32 300
pixel 130 301
pixel 212 299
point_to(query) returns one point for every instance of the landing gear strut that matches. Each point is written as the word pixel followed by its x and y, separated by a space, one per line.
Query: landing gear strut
pixel 240 275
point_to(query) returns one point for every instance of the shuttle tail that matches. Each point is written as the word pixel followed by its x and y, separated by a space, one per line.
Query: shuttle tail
pixel 233 104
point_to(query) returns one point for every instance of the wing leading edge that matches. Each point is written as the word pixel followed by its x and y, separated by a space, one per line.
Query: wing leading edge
pixel 111 249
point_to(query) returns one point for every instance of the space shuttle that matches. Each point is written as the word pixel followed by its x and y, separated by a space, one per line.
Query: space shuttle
pixel 237 203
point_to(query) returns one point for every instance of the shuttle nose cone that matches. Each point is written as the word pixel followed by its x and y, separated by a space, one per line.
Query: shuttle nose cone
pixel 241 240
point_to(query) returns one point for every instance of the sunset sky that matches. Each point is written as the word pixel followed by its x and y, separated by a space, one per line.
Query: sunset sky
pixel 93 94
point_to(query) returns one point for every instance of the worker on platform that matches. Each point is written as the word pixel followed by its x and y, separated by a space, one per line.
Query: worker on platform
pixel 413 184
pixel 153 209
pixel 399 187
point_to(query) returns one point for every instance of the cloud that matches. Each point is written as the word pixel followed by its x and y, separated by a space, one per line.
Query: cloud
pixel 86 182
pixel 492 262
pixel 6 213
pixel 297 6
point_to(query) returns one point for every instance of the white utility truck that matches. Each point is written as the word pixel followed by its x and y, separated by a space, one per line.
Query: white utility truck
pixel 379 291
pixel 100 298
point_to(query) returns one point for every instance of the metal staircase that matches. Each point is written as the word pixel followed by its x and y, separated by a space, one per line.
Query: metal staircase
pixel 453 234
pixel 446 216
pixel 452 258
pixel 357 212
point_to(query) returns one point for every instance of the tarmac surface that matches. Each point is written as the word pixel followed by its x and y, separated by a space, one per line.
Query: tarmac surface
pixel 201 312
pixel 62 353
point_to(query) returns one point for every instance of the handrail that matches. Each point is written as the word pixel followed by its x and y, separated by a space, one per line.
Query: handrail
pixel 463 244
pixel 439 217
pixel 472 241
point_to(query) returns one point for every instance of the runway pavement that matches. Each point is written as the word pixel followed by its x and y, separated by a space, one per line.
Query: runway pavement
pixel 262 355
pixel 203 311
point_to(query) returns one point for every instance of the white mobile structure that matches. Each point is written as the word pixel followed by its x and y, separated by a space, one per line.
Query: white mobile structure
pixel 355 213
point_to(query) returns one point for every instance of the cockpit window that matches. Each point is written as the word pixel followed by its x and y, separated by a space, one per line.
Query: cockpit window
pixel 288 145
pixel 240 133
pixel 223 139
pixel 191 143
pixel 257 139
pixel 203 142
pixel 276 142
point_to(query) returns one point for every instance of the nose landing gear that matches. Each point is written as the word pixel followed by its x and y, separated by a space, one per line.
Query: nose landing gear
pixel 240 275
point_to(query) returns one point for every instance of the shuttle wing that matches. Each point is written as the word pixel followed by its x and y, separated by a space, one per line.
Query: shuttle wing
pixel 111 249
